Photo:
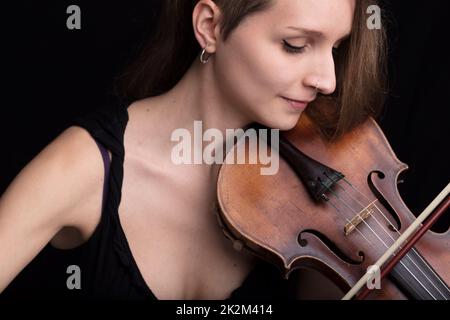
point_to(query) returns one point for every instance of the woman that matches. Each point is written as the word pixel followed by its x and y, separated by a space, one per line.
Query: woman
pixel 137 225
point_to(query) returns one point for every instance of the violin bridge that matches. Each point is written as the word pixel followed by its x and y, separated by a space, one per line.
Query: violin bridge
pixel 360 217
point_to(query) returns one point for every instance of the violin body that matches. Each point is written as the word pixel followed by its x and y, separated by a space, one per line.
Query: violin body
pixel 274 216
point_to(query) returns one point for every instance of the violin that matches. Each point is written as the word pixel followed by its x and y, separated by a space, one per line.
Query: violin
pixel 333 207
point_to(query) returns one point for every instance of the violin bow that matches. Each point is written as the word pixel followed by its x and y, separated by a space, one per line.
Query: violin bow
pixel 443 201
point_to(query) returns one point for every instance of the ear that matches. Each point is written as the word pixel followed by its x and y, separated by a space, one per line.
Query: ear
pixel 205 18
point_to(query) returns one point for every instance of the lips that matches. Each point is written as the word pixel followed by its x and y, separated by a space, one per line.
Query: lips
pixel 298 100
pixel 297 104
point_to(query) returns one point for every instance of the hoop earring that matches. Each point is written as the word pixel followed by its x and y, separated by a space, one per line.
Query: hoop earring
pixel 202 56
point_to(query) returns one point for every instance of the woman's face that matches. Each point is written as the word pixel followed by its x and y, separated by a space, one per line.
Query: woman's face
pixel 259 64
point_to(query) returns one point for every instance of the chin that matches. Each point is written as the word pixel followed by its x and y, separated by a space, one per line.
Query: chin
pixel 282 122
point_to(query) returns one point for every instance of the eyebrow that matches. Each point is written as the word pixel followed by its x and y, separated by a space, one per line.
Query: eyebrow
pixel 315 33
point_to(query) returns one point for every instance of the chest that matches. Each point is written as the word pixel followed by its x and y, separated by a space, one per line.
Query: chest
pixel 175 239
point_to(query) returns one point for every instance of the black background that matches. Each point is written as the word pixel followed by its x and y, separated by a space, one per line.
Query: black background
pixel 52 74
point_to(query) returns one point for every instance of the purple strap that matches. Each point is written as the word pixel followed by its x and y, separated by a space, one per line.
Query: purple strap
pixel 106 163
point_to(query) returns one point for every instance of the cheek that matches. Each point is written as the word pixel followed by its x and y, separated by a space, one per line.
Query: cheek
pixel 254 71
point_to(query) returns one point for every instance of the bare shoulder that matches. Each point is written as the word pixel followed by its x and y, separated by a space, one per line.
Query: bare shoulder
pixel 64 180
pixel 60 187
pixel 81 160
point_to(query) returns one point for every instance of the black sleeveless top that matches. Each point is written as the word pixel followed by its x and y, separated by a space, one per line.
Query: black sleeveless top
pixel 107 267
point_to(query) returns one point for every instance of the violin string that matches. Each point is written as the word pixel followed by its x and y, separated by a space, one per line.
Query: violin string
pixel 385 231
pixel 348 206
pixel 345 219
pixel 376 235
pixel 362 234
pixel 413 250
pixel 408 256
pixel 337 209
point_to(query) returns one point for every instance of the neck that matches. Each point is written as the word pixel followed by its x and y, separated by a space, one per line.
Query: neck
pixel 196 97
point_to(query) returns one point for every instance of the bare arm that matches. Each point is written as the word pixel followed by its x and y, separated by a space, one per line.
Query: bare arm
pixel 61 186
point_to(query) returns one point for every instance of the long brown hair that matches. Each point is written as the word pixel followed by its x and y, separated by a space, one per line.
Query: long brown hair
pixel 360 63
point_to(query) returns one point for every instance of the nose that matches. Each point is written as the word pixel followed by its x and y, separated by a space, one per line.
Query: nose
pixel 322 75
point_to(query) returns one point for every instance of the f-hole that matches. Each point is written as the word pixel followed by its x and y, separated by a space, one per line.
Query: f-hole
pixel 382 200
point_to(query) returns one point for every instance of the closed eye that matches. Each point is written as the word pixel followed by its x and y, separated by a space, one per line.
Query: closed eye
pixel 292 49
